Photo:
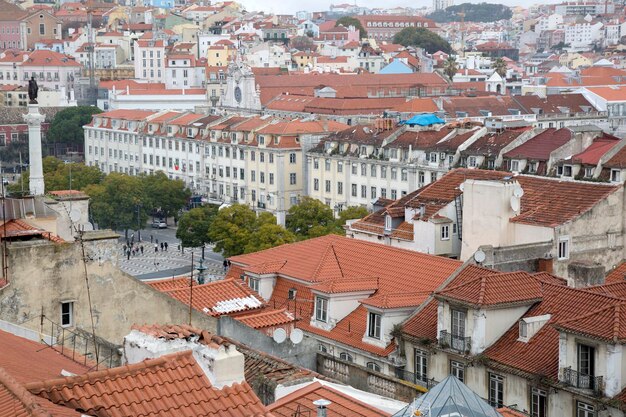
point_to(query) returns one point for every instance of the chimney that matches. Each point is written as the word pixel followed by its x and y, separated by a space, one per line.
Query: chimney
pixel 222 363
pixel 322 407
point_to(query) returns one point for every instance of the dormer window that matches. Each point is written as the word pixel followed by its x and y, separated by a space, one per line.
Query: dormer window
pixel 523 329
pixel 373 328
pixel 262 140
pixel 253 283
pixel 169 129
pixel 388 223
pixel 321 309
pixel 615 175
pixel 291 295
pixel 189 132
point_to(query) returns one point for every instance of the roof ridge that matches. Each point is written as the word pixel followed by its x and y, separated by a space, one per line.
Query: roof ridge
pixel 111 372
pixel 22 395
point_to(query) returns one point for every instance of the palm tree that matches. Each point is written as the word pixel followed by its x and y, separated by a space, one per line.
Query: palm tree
pixel 450 67
pixel 500 67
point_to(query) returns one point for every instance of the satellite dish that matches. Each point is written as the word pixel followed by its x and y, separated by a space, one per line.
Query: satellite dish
pixel 479 256
pixel 462 186
pixel 87 227
pixel 296 336
pixel 75 214
pixel 515 204
pixel 280 335
pixel 518 192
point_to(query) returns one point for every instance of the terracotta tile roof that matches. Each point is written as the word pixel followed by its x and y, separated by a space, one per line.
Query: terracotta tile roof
pixel 17 227
pixel 554 104
pixel 257 364
pixel 492 143
pixel 508 412
pixel 297 126
pixel 126 114
pixel 540 355
pixel 47 58
pixel 271 267
pixel 607 324
pixel 497 105
pixel 491 290
pixel 29 361
pixel 219 297
pixel 420 139
pixel 342 285
pixel 618 274
pixel 610 94
pixel 417 105
pixel 341 405
pixel 363 135
pixel 595 151
pixel 16 401
pixel 540 146
pixel 618 160
pixel 397 300
pixel 266 318
pixel 172 384
pixel 169 284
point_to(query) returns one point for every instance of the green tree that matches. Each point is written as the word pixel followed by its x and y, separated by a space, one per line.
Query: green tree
pixel 57 176
pixel 499 66
pixel 450 67
pixel 348 21
pixel 267 236
pixel 350 213
pixel 231 229
pixel 422 38
pixel 163 195
pixel 310 218
pixel 474 12
pixel 67 125
pixel 115 200
pixel 302 43
pixel 193 226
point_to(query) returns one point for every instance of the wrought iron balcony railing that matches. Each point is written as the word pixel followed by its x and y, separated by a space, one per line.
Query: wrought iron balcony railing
pixel 457 343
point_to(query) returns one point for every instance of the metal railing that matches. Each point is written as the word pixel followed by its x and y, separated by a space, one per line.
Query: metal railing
pixel 78 347
pixel 579 380
pixel 457 343
pixel 413 378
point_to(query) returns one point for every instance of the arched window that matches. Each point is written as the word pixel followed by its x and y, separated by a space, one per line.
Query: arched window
pixel 373 366
pixel 345 356
pixel 322 348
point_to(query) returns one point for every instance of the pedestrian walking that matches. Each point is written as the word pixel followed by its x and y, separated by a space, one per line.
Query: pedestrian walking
pixel 151 238
pixel 128 254
pixel 165 244
pixel 141 249
pixel 156 248
pixel 162 246
pixel 225 263
pixel 124 248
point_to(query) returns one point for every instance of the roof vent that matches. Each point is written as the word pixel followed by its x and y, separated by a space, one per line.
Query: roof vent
pixel 322 407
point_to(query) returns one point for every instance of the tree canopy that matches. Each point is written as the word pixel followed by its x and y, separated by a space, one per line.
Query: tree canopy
pixel 67 125
pixel 422 38
pixel 348 21
pixel 303 43
pixel 474 12
pixel 57 176
pixel 193 226
pixel 350 213
pixel 163 195
pixel 310 218
pixel 237 229
pixel 114 202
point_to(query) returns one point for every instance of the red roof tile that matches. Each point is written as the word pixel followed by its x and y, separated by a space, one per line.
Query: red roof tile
pixel 618 274
pixel 169 284
pixel 595 151
pixel 266 318
pixel 172 384
pixel 29 361
pixel 342 405
pixel 492 290
pixel 540 146
pixel 492 143
pixel 607 324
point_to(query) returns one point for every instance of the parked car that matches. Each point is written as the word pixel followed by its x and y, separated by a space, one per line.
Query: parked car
pixel 159 224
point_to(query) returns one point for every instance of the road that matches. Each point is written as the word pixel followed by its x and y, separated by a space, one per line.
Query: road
pixel 165 264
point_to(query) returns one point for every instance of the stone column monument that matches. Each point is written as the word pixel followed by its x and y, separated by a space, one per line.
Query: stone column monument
pixel 34 119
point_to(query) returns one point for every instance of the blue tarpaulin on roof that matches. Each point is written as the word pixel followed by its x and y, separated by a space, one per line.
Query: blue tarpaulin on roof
pixel 425 119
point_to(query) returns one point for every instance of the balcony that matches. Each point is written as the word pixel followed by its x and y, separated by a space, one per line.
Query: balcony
pixel 260 205
pixel 457 343
pixel 579 380
pixel 413 378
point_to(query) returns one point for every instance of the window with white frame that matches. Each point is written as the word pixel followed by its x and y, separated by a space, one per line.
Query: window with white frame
pixel 585 410
pixel 496 390
pixel 567 170
pixel 515 165
pixel 321 309
pixel 67 313
pixel 322 348
pixel 588 172
pixel 471 161
pixel 458 370
pixel 615 175
pixel 253 283
pixel 538 403
pixel 345 356
pixel 373 328
pixel 563 248
pixel 421 365
pixel 445 232
pixel 373 366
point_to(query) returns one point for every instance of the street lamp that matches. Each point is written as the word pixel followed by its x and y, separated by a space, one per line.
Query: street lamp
pixel 201 270
pixel 139 222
